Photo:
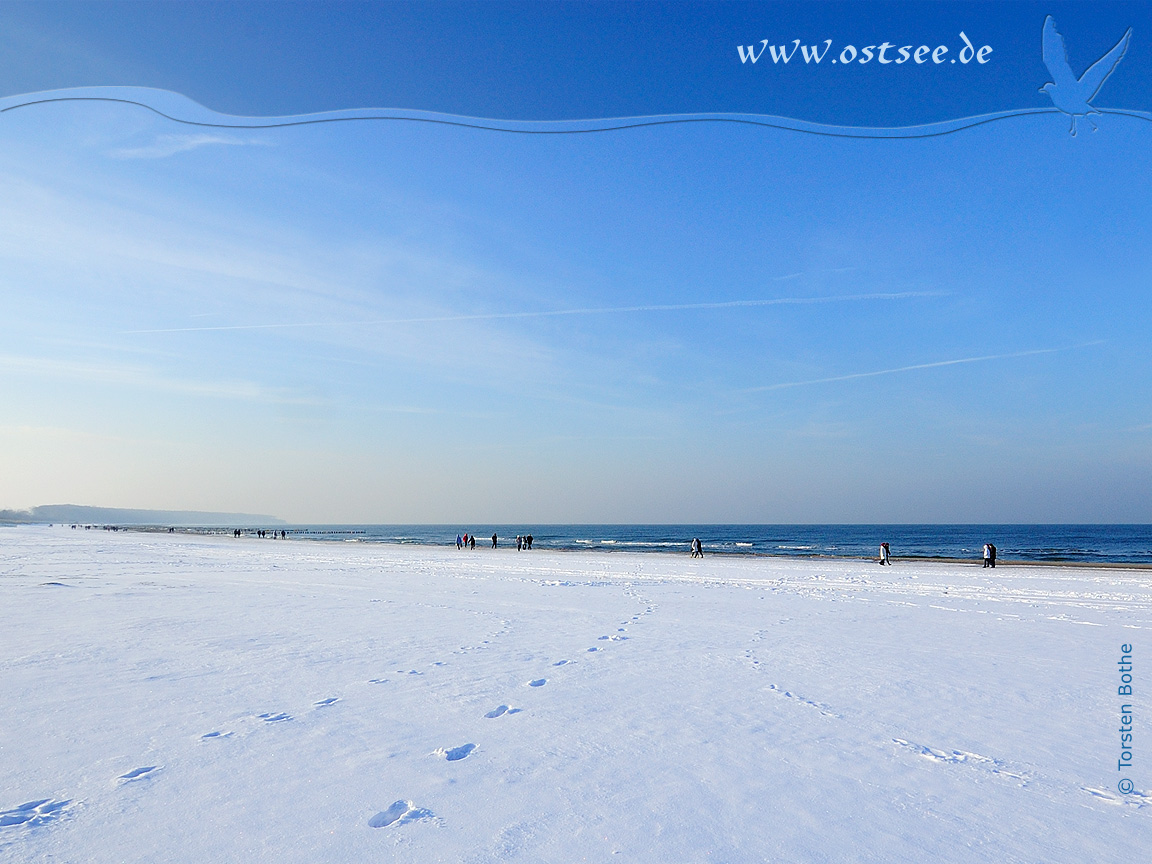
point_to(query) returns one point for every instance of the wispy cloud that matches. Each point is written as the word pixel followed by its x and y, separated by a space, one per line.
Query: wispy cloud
pixel 934 365
pixel 142 378
pixel 170 145
pixel 600 310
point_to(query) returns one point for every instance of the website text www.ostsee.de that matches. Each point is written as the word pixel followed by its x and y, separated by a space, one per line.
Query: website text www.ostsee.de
pixel 883 54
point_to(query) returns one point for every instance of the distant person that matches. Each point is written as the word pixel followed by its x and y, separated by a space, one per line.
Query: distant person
pixel 528 540
pixel 697 548
pixel 459 542
pixel 884 554
pixel 493 541
pixel 987 554
pixel 519 543
pixel 472 543
pixel 992 549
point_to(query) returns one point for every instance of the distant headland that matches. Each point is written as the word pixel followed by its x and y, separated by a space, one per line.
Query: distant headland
pixel 75 513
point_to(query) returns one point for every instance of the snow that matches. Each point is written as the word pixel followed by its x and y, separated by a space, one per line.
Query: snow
pixel 184 698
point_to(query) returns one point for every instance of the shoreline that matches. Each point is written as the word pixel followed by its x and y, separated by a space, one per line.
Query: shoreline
pixel 226 533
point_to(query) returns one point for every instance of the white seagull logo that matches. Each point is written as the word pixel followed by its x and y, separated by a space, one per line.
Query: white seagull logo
pixel 1070 94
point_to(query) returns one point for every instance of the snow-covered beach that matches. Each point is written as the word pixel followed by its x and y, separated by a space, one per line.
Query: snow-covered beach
pixel 195 698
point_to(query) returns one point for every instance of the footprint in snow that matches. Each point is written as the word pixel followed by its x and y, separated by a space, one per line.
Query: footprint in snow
pixel 330 701
pixel 501 710
pixel 593 648
pixel 561 662
pixel 539 682
pixel 952 756
pixel 208 736
pixel 138 774
pixel 400 813
pixel 34 813
pixel 456 753
pixel 958 757
pixel 788 694
pixel 377 680
pixel 1132 799
pixel 274 718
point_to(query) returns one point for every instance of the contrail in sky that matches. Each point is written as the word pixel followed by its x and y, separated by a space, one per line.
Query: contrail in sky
pixel 935 365
pixel 605 310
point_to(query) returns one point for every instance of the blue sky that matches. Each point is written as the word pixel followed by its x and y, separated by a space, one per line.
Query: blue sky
pixel 400 322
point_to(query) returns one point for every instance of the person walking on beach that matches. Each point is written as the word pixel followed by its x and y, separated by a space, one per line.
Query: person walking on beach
pixel 528 540
pixel 519 542
pixel 992 549
pixel 472 543
pixel 884 554
pixel 493 540
pixel 987 554
pixel 697 548
pixel 459 542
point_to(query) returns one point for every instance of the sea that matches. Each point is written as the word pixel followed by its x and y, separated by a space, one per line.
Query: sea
pixel 1119 544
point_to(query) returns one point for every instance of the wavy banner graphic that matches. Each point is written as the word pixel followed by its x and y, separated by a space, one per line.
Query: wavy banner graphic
pixel 181 109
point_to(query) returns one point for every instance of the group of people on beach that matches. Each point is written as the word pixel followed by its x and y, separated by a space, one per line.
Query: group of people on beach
pixel 697 548
pixel 468 541
pixel 989 555
pixel 261 532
